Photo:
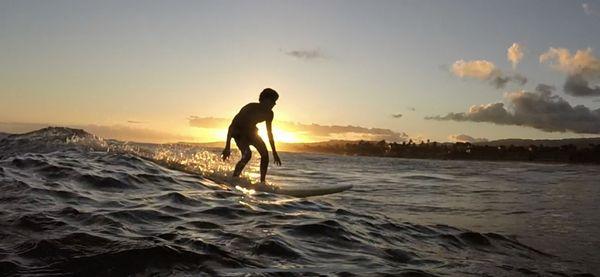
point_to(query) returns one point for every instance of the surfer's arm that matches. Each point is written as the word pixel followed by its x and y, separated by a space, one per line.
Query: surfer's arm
pixel 272 141
pixel 227 150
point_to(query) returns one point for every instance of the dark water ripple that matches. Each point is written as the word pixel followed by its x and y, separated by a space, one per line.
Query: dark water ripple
pixel 75 211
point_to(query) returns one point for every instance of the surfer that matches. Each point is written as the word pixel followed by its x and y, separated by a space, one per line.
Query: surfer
pixel 243 130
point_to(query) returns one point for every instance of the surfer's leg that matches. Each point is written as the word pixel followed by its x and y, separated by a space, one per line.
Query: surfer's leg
pixel 246 155
pixel 260 146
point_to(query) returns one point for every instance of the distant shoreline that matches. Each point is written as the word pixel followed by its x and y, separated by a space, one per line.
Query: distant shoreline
pixel 570 151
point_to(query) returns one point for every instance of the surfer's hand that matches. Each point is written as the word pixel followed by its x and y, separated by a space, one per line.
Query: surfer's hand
pixel 277 160
pixel 226 153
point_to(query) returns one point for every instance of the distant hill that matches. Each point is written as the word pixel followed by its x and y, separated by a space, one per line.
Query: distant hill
pixel 579 142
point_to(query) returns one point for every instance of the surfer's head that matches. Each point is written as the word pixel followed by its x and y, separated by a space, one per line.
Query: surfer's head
pixel 268 97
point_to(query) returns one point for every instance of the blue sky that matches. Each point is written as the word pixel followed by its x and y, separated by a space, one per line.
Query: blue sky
pixel 160 62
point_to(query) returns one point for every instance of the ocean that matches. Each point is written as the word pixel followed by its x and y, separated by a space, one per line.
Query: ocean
pixel 75 204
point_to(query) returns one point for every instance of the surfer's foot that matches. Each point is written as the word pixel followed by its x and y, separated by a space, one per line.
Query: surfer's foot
pixel 261 184
pixel 264 186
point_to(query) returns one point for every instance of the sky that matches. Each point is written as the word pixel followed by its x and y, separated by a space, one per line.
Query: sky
pixel 180 70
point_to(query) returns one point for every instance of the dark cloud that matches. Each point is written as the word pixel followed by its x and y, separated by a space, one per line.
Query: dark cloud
pixel 323 132
pixel 466 138
pixel 540 109
pixel 578 85
pixel 306 54
pixel 500 80
pixel 398 115
pixel 412 109
pixel 546 89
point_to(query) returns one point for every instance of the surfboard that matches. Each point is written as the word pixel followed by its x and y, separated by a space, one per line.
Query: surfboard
pixel 290 190
pixel 298 191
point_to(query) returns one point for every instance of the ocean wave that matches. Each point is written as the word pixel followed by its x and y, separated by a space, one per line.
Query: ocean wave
pixel 73 204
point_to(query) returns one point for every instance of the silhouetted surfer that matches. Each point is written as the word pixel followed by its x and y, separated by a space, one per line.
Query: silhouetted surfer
pixel 243 130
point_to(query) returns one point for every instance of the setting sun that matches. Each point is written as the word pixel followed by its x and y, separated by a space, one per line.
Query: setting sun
pixel 279 135
pixel 220 134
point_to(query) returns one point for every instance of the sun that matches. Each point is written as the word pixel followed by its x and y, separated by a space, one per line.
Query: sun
pixel 279 135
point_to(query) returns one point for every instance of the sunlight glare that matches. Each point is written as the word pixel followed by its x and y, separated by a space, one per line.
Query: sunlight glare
pixel 279 135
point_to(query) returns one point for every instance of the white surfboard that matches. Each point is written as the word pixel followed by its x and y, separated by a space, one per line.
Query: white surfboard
pixel 291 190
pixel 297 191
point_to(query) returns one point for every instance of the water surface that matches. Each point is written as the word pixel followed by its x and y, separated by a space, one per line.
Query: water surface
pixel 71 203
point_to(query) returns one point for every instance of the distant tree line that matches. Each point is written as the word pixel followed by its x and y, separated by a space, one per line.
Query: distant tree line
pixel 568 153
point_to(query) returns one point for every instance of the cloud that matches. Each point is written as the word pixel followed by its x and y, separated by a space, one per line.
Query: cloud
pixel 589 10
pixel 312 54
pixel 485 71
pixel 135 122
pixel 582 69
pixel 398 115
pixel 582 62
pixel 412 109
pixel 313 131
pixel 118 132
pixel 339 132
pixel 515 54
pixel 500 80
pixel 478 69
pixel 539 109
pixel 466 138
pixel 578 85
